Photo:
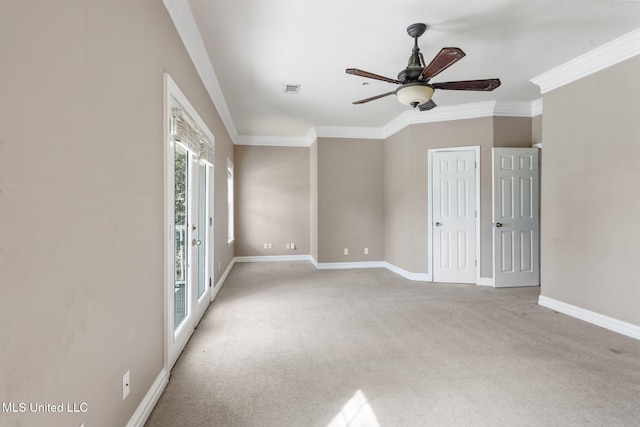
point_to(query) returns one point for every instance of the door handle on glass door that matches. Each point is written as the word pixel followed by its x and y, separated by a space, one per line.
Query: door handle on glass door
pixel 196 242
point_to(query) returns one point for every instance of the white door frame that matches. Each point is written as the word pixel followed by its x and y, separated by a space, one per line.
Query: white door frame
pixel 430 152
pixel 176 340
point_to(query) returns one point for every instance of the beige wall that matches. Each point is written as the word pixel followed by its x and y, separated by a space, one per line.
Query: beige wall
pixel 81 202
pixel 350 199
pixel 512 131
pixel 313 218
pixel 536 129
pixel 590 203
pixel 273 198
pixel 364 193
pixel 406 187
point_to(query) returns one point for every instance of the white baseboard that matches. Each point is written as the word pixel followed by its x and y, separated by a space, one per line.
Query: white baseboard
pixel 271 258
pixel 418 277
pixel 141 414
pixel 486 281
pixel 348 265
pixel 606 322
pixel 220 282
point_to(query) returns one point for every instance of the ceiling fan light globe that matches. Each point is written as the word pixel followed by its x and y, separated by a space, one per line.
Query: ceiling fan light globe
pixel 414 94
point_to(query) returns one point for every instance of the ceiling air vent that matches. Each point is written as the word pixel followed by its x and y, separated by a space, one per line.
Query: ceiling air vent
pixel 292 89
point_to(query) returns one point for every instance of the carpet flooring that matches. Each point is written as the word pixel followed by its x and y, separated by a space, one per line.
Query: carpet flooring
pixel 285 344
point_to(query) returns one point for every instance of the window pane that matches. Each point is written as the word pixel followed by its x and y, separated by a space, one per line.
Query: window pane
pixel 181 247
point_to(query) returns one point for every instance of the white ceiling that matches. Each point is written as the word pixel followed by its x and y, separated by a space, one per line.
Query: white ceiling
pixel 256 47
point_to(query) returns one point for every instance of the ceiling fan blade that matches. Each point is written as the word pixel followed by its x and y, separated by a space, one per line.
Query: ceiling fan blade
pixel 486 85
pixel 443 60
pixel 373 98
pixel 427 105
pixel 361 73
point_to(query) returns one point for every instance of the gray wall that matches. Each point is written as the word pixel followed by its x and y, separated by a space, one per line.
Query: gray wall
pixel 272 193
pixel 590 202
pixel 82 202
pixel 350 199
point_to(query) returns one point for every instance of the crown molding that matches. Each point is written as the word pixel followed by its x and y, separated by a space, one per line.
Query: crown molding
pixel 349 132
pixel 609 54
pixel 278 141
pixel 446 113
pixel 182 17
pixel 514 109
pixel 536 107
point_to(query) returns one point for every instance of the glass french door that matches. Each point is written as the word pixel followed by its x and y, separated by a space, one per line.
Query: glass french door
pixel 191 255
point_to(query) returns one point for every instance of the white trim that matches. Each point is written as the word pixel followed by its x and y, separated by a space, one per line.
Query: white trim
pixel 536 107
pixel 418 277
pixel 609 54
pixel 486 281
pixel 348 265
pixel 597 319
pixel 223 278
pixel 185 24
pixel 274 141
pixel 421 277
pixel 441 114
pixel 271 258
pixel 513 109
pixel 149 401
pixel 350 132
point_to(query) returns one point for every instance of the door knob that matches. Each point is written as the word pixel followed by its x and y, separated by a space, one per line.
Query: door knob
pixel 498 224
pixel 438 224
pixel 196 242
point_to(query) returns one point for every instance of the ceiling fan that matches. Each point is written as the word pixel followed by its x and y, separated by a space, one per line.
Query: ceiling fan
pixel 415 88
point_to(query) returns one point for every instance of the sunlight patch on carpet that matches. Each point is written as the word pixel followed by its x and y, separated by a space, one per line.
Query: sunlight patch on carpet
pixel 356 413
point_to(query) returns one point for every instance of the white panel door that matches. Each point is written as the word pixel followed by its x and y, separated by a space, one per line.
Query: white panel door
pixel 516 217
pixel 454 216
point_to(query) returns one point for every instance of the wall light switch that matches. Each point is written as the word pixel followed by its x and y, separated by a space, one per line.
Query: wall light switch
pixel 366 251
pixel 293 246
pixel 346 251
pixel 269 246
pixel 286 246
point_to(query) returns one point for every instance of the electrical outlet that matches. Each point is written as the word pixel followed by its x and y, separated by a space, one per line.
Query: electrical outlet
pixel 366 251
pixel 346 251
pixel 286 246
pixel 269 246
pixel 125 385
pixel 266 246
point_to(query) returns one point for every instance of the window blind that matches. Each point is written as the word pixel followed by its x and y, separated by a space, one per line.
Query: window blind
pixel 185 131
